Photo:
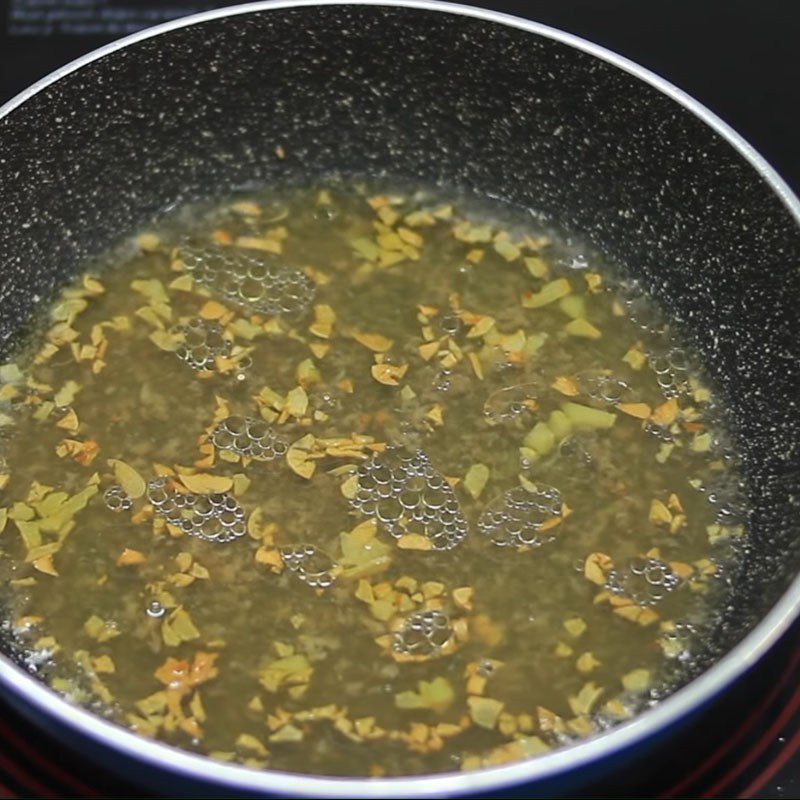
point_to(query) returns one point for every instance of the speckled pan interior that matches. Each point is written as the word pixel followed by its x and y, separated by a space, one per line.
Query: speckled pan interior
pixel 440 97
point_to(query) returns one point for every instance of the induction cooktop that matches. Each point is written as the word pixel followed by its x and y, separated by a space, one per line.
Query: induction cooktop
pixel 738 57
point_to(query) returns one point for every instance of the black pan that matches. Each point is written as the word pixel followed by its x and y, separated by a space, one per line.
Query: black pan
pixel 439 93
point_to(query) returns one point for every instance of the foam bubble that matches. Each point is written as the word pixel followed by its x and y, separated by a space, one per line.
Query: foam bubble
pixel 511 402
pixel 258 281
pixel 212 517
pixel 311 565
pixel 646 581
pixel 249 436
pixel 403 491
pixel 672 367
pixel 116 499
pixel 641 309
pixel 424 633
pixel 203 342
pixel 522 516
pixel 605 387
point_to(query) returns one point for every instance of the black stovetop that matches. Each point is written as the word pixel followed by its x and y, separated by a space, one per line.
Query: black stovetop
pixel 739 57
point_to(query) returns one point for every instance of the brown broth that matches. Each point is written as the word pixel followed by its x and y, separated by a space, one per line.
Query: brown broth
pixel 393 356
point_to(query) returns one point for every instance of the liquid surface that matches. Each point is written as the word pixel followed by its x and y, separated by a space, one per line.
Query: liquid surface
pixel 361 482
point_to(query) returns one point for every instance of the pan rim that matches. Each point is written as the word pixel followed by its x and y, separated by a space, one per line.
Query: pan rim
pixel 567 759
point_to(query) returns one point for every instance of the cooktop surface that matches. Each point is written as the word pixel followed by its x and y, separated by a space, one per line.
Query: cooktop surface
pixel 740 58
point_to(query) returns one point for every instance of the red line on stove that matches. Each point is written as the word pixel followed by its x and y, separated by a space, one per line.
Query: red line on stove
pixel 5 792
pixel 22 776
pixel 680 788
pixel 39 759
pixel 753 753
pixel 789 749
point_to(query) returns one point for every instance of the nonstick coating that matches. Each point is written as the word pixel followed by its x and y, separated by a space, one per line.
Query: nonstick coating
pixel 200 110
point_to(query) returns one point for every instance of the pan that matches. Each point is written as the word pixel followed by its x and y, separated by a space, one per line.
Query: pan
pixel 447 94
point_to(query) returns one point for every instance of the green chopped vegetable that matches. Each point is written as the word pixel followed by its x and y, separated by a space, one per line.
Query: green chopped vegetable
pixel 574 306
pixel 583 329
pixel 484 711
pixel 560 424
pixel 588 418
pixel 637 680
pixel 540 439
pixel 549 293
pixel 436 695
pixel 475 480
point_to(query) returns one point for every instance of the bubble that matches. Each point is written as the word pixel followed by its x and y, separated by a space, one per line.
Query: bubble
pixel 522 516
pixel 116 499
pixel 155 609
pixel 309 564
pixel 403 491
pixel 602 385
pixel 327 399
pixel 486 668
pixel 257 281
pixel 575 449
pixel 450 324
pixel 274 211
pixel 424 633
pixel 646 581
pixel 642 310
pixel 214 518
pixel 512 402
pixel 204 341
pixel 249 436
pixel 575 459
pixel 672 367
pixel 326 213
pixel 726 495
pixel 577 262
pixel 660 432
pixel 442 381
